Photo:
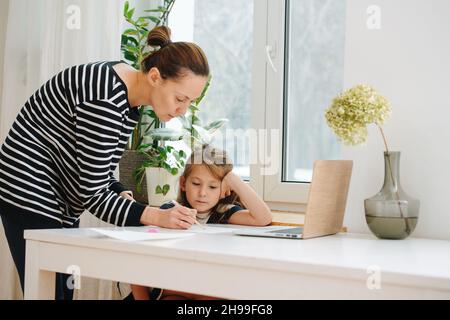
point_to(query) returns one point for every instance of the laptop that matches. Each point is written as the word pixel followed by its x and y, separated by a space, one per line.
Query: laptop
pixel 326 205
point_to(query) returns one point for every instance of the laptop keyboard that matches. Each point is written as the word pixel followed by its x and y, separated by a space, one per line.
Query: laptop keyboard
pixel 288 231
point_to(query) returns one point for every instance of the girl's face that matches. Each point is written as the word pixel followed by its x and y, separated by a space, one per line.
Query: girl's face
pixel 202 188
pixel 172 98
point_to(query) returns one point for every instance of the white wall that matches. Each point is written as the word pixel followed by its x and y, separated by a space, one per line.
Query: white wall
pixel 181 20
pixel 408 61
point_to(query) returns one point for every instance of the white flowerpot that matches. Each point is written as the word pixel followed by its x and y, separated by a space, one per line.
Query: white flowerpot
pixel 160 177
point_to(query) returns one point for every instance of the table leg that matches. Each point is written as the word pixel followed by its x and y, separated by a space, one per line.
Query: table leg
pixel 39 284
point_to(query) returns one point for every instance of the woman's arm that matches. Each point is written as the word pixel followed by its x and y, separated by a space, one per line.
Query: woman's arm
pixel 258 213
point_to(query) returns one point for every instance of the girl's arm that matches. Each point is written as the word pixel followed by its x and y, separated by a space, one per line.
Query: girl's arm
pixel 258 213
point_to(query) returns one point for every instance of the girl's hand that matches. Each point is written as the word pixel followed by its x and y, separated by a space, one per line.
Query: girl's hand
pixel 227 185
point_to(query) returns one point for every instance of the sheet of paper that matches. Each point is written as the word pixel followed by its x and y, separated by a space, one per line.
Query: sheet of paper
pixel 126 235
pixel 209 229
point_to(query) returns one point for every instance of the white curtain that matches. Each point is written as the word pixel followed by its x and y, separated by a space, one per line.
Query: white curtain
pixel 42 37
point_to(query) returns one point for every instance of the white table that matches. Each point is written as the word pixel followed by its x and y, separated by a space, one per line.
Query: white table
pixel 342 266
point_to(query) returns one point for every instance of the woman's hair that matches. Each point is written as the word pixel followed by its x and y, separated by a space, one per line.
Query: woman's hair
pixel 174 59
pixel 218 163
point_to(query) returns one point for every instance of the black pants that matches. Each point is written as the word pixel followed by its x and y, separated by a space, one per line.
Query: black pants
pixel 14 224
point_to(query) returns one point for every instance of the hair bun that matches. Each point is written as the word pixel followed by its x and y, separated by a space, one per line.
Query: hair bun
pixel 166 43
pixel 159 37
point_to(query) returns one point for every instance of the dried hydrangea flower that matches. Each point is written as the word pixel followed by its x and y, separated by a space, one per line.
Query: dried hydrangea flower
pixel 351 112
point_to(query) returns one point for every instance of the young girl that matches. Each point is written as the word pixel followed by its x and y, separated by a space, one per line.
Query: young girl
pixel 209 188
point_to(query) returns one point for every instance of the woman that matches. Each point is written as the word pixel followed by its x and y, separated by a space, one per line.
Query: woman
pixel 59 157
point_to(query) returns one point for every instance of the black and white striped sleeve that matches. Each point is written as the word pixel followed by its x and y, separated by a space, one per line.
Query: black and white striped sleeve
pixel 98 127
pixel 115 185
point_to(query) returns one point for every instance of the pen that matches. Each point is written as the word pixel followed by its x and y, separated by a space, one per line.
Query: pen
pixel 195 219
pixel 199 224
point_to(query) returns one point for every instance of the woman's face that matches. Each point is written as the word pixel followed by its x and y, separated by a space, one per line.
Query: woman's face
pixel 202 188
pixel 172 97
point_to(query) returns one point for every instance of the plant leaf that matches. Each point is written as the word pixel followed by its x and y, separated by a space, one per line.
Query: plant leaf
pixel 125 8
pixel 130 14
pixel 166 189
pixel 166 134
pixel 154 19
pixel 132 49
pixel 205 136
pixel 160 9
pixel 126 40
pixel 184 121
pixel 149 113
pixel 131 32
pixel 194 108
pixel 216 125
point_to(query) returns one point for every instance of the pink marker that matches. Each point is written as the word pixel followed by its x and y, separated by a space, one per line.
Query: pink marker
pixel 152 230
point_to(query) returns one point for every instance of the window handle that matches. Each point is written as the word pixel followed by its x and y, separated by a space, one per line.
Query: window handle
pixel 271 54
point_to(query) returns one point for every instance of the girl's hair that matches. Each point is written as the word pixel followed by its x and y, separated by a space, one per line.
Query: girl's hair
pixel 218 163
pixel 174 59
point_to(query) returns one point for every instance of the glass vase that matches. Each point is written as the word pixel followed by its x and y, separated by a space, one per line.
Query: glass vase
pixel 391 213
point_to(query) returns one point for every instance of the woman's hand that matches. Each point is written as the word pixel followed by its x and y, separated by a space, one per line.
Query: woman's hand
pixel 127 195
pixel 178 217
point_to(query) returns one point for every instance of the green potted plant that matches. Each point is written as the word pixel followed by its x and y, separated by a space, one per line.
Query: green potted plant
pixel 134 48
pixel 161 169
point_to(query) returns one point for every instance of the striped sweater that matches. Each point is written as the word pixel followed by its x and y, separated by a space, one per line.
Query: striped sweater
pixel 60 154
